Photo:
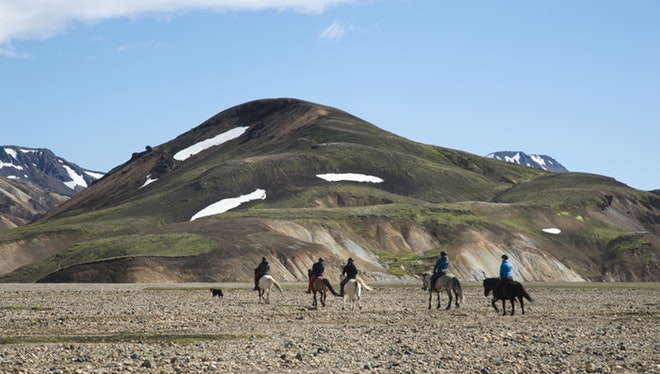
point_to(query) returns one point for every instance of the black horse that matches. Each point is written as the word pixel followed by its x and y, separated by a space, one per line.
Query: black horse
pixel 510 290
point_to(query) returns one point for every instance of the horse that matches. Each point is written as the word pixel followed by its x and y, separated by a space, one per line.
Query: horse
pixel 353 292
pixel 447 283
pixel 510 290
pixel 266 282
pixel 321 286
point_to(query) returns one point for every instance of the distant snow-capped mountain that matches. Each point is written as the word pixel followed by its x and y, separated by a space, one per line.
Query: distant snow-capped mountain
pixel 535 161
pixel 42 168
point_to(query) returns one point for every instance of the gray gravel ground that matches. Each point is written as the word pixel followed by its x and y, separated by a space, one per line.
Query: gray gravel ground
pixel 141 328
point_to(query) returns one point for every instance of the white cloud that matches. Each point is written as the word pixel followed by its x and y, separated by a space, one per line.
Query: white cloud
pixel 335 31
pixel 38 19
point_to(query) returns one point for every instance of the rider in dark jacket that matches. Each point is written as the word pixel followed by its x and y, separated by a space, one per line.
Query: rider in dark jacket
pixel 350 272
pixel 317 271
pixel 260 271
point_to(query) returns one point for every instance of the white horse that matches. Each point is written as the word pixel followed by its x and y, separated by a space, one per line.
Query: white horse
pixel 353 293
pixel 266 282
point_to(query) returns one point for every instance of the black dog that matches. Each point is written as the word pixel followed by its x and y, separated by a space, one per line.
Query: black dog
pixel 217 291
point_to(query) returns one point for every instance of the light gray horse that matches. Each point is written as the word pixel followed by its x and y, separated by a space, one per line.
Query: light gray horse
pixel 447 283
pixel 266 283
pixel 353 293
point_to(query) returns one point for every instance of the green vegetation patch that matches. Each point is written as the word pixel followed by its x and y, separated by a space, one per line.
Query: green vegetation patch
pixel 123 338
pixel 408 263
pixel 168 245
pixel 163 245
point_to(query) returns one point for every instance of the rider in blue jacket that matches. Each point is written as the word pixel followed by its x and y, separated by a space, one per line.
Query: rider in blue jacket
pixel 506 275
pixel 506 270
pixel 440 268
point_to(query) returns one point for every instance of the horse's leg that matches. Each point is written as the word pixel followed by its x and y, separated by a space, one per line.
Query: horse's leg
pixel 493 302
pixel 449 295
pixel 522 304
pixel 430 298
pixel 513 305
pixel 504 307
pixel 314 303
pixel 323 294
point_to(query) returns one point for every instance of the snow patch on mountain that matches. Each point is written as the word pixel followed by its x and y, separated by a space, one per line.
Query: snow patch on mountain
pixel 225 205
pixel 194 149
pixel 76 179
pixel 351 177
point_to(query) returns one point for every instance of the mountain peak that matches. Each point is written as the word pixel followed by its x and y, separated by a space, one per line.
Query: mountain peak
pixel 42 168
pixel 534 161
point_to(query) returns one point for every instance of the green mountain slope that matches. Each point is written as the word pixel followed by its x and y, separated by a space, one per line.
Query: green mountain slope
pixel 134 224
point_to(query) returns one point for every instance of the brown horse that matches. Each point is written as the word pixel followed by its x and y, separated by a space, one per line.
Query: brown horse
pixel 321 286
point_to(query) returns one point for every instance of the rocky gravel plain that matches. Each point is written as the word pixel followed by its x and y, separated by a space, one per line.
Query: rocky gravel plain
pixel 180 328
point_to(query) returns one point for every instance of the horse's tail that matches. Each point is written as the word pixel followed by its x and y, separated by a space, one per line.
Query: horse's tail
pixel 277 285
pixel 459 290
pixel 327 283
pixel 364 285
pixel 525 294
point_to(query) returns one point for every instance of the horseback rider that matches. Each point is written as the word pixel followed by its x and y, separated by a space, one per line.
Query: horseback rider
pixel 262 269
pixel 440 268
pixel 317 271
pixel 350 272
pixel 506 274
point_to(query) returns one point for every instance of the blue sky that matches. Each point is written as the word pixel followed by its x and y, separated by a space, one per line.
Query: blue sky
pixel 95 81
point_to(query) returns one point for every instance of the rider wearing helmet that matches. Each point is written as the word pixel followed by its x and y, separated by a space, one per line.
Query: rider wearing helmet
pixel 440 268
pixel 317 271
pixel 350 272
pixel 262 269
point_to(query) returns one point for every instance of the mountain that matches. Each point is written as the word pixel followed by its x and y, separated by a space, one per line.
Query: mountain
pixel 43 169
pixel 21 203
pixel 293 180
pixel 535 161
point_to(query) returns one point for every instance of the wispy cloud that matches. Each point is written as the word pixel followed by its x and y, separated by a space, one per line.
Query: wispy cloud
pixel 8 50
pixel 336 31
pixel 37 19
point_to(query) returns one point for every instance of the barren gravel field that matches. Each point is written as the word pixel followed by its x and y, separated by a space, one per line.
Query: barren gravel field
pixel 180 328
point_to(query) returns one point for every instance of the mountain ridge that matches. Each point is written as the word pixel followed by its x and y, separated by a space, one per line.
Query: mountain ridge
pixel 42 168
pixel 543 162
